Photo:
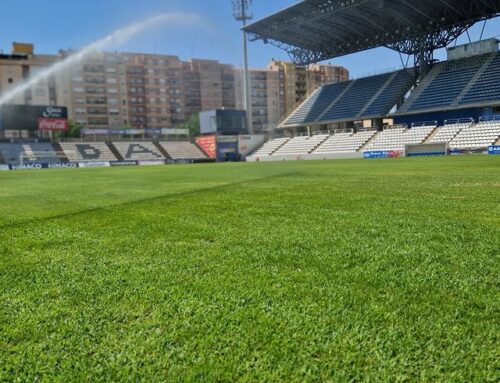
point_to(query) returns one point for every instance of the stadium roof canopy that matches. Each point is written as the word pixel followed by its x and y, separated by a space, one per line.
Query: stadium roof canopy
pixel 317 30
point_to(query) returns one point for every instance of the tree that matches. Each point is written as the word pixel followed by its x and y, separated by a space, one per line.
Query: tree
pixel 74 129
pixel 193 125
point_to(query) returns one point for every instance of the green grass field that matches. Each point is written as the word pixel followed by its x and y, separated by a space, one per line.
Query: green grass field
pixel 343 271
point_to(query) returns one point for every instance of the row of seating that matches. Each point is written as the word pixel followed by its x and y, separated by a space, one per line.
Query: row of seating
pixel 477 136
pixel 458 136
pixel 27 153
pixel 458 83
pixel 397 138
pixel 346 142
pixel 448 132
pixel 301 145
pixel 369 97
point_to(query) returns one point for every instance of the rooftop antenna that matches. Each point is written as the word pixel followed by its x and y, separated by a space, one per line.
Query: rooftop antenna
pixel 241 12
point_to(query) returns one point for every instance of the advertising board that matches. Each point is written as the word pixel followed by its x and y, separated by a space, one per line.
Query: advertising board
pixel 97 164
pixel 495 149
pixel 209 145
pixel 53 124
pixel 151 163
pixel 383 154
pixel 31 117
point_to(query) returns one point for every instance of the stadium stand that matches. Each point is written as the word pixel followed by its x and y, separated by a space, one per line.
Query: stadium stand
pixel 28 153
pixel 183 151
pixel 396 138
pixel 87 151
pixel 480 135
pixel 457 83
pixel 345 142
pixel 364 98
pixel 448 132
pixel 487 86
pixel 301 145
pixel 271 146
pixel 313 107
pixel 138 151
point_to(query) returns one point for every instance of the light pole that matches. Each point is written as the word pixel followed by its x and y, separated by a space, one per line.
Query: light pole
pixel 241 12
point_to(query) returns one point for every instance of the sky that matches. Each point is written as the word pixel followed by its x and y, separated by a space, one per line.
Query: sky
pixel 61 24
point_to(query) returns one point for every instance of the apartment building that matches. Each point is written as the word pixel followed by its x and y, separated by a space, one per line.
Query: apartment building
pixel 113 90
pixel 208 85
pixel 95 91
pixel 22 64
pixel 265 106
pixel 155 91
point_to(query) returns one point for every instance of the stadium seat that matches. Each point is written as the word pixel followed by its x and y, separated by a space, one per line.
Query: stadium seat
pixel 345 142
pixel 28 153
pixel 487 86
pixel 369 97
pixel 270 147
pixel 138 151
pixel 448 81
pixel 183 151
pixel 396 138
pixel 87 151
pixel 477 136
pixel 448 132
pixel 301 145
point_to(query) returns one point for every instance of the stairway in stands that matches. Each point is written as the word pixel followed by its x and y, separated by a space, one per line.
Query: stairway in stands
pixel 423 86
pixel 367 143
pixel 474 79
pixel 115 152
pixel 162 150
pixel 60 152
pixel 434 133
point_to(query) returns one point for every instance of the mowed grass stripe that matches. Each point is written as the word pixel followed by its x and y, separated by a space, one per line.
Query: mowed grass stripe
pixel 308 277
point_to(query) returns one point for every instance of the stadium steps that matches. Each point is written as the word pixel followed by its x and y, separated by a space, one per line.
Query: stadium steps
pixel 367 143
pixel 474 79
pixel 428 140
pixel 115 152
pixel 377 95
pixel 279 147
pixel 302 105
pixel 422 86
pixel 319 144
pixel 334 102
pixel 60 152
pixel 162 150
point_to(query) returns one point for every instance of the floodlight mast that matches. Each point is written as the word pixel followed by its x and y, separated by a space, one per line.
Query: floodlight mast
pixel 241 12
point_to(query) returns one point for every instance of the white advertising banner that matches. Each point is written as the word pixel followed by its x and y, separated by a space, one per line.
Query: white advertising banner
pixel 94 164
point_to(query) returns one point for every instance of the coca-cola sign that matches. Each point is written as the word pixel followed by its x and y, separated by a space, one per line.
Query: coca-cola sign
pixel 26 117
pixel 53 124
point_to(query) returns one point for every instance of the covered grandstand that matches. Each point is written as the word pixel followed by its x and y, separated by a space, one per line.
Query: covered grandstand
pixel 467 85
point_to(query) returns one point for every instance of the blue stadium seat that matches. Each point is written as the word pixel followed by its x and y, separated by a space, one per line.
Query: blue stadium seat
pixel 30 152
pixel 353 100
pixel 487 87
pixel 449 83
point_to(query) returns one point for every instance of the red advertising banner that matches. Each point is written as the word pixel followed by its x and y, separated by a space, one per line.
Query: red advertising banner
pixel 53 124
pixel 209 145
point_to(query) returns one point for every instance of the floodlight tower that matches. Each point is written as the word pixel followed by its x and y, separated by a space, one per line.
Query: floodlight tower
pixel 241 12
